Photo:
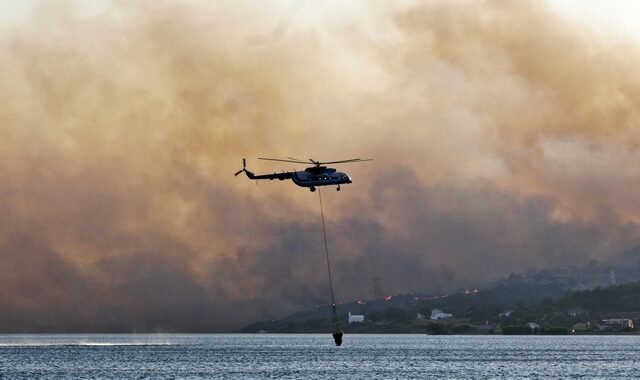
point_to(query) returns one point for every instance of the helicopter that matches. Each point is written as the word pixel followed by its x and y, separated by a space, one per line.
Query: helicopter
pixel 312 177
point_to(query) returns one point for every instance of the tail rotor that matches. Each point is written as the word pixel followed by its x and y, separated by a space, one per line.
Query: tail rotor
pixel 244 167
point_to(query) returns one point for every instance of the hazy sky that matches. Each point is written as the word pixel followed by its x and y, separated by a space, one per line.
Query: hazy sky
pixel 504 136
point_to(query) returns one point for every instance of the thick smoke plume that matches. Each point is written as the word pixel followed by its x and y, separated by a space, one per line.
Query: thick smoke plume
pixel 503 138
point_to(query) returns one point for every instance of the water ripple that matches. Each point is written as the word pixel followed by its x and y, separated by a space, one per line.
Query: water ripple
pixel 266 356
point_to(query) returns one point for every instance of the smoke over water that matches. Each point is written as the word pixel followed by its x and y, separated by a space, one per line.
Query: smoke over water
pixel 503 137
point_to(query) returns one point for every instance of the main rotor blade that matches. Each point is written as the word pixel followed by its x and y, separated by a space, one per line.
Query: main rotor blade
pixel 239 171
pixel 276 159
pixel 346 161
pixel 311 160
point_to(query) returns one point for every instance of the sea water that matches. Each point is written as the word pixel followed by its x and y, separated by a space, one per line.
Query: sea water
pixel 314 356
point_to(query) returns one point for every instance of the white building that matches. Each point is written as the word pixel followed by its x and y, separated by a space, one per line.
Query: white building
pixel 355 318
pixel 438 314
pixel 618 322
pixel 533 326
pixel 506 314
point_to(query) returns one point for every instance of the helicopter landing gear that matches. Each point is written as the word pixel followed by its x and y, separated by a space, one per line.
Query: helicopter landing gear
pixel 338 188
pixel 312 189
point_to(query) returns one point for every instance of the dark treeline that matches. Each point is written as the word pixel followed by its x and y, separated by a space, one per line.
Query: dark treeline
pixel 508 308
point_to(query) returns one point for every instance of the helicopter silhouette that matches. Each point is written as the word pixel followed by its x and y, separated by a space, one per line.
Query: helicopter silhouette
pixel 312 177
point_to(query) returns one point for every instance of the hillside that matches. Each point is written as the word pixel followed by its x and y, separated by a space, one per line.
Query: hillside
pixel 509 304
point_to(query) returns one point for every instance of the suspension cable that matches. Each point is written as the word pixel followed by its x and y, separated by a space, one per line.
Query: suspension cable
pixel 326 251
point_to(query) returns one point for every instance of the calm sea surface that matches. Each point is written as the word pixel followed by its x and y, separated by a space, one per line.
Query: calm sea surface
pixel 265 356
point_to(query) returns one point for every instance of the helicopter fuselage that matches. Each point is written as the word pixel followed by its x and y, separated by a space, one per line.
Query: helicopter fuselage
pixel 313 177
